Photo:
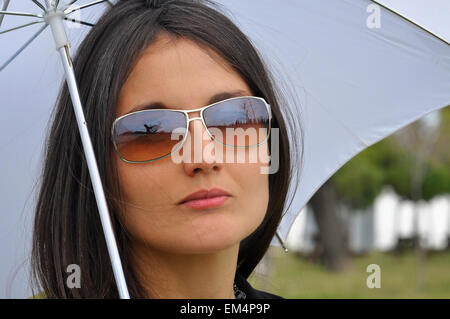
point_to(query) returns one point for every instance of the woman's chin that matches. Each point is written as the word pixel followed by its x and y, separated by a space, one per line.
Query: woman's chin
pixel 203 245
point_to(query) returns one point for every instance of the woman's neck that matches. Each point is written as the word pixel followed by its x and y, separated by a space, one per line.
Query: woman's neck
pixel 186 276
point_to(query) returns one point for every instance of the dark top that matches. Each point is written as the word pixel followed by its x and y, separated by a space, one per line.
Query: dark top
pixel 244 290
pixel 251 293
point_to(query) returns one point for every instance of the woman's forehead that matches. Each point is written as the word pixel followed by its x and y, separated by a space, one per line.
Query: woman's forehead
pixel 178 73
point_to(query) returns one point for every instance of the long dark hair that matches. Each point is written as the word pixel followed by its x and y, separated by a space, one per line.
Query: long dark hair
pixel 67 228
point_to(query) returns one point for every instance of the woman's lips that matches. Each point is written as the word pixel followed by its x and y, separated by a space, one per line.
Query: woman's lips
pixel 205 203
pixel 204 199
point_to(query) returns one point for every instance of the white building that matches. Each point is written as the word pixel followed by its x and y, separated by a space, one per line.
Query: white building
pixel 381 225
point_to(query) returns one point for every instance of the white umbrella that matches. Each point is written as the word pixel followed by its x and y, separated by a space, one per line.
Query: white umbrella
pixel 360 72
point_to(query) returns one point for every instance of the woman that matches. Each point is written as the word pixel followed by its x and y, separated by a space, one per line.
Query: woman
pixel 168 55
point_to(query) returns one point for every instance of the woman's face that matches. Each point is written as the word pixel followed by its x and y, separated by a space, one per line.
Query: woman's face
pixel 183 76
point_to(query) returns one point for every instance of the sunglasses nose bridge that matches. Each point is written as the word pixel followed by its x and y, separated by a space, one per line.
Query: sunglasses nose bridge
pixel 197 118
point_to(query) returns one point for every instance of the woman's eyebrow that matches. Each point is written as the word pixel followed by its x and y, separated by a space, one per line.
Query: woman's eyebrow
pixel 215 98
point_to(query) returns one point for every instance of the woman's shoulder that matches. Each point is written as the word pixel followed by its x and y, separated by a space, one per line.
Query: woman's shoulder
pixel 250 292
pixel 40 295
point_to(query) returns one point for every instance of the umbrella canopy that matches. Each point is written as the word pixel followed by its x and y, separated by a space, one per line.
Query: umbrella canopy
pixel 358 70
pixel 354 70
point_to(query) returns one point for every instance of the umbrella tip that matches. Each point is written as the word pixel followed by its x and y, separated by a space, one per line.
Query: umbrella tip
pixel 282 242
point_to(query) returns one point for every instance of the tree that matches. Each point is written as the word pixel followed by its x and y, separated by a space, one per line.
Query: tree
pixel 392 161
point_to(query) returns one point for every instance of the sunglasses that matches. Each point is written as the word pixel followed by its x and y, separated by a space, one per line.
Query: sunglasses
pixel 149 135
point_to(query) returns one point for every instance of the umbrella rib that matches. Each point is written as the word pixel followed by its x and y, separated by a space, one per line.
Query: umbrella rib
pixel 411 21
pixel 24 14
pixel 79 21
pixel 67 11
pixel 22 48
pixel 39 5
pixel 21 26
pixel 5 7
pixel 72 2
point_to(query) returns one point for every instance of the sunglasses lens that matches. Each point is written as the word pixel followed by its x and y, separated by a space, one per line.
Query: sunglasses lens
pixel 240 122
pixel 147 135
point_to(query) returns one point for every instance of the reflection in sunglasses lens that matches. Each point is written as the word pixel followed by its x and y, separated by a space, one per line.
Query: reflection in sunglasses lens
pixel 147 135
pixel 241 122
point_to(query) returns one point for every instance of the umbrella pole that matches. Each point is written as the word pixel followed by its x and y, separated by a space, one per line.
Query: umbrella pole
pixel 95 176
pixel 54 19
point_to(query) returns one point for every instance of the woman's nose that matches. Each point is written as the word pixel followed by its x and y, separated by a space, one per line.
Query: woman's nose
pixel 198 149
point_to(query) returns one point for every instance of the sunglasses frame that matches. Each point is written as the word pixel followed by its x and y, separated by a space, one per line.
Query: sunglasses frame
pixel 188 120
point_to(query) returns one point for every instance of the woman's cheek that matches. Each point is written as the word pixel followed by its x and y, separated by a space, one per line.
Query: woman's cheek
pixel 255 190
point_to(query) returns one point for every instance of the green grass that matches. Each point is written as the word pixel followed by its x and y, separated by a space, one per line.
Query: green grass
pixel 292 276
